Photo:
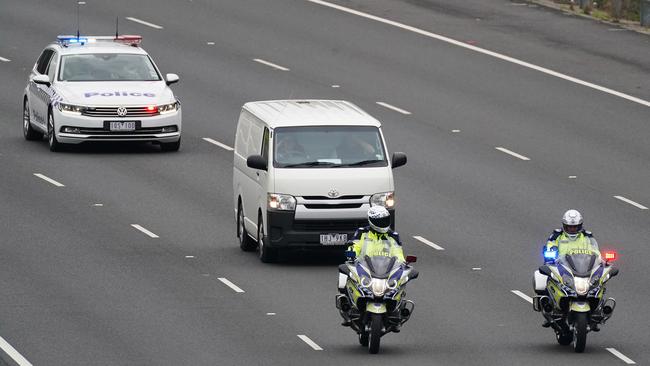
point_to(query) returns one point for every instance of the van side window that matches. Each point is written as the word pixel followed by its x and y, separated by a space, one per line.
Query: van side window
pixel 43 61
pixel 243 131
pixel 265 143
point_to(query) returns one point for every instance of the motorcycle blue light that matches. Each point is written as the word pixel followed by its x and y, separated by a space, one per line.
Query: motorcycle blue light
pixel 550 254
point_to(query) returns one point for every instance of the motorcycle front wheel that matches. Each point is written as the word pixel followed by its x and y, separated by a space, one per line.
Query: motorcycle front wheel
pixel 579 332
pixel 376 324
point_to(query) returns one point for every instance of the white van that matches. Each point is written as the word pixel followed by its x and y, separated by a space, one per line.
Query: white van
pixel 305 173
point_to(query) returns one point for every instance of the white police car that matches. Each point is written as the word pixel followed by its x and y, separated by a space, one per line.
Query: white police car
pixel 100 89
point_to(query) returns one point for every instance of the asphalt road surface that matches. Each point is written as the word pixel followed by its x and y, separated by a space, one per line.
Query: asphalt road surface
pixel 80 285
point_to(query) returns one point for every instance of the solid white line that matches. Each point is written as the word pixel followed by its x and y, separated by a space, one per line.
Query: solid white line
pixel 48 179
pixel 623 357
pixel 311 343
pixel 519 156
pixel 230 284
pixel 147 232
pixel 638 205
pixel 144 23
pixel 270 64
pixel 15 355
pixel 483 51
pixel 223 146
pixel 4 59
pixel 429 243
pixel 399 110
pixel 523 295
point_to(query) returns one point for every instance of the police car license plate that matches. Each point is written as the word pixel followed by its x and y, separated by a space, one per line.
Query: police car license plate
pixel 333 239
pixel 122 126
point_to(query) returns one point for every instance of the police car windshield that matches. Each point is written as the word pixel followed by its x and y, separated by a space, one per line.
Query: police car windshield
pixel 328 147
pixel 107 67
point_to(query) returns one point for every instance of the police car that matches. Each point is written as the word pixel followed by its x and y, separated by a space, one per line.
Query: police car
pixel 100 89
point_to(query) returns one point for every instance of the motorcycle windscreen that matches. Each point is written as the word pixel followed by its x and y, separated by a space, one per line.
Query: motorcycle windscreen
pixel 380 266
pixel 580 264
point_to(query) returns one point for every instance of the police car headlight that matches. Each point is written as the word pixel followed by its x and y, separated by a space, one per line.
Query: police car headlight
pixel 281 202
pixel 70 108
pixel 386 199
pixel 168 108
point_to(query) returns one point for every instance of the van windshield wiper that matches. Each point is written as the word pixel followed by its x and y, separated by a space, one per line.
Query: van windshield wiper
pixel 308 164
pixel 363 162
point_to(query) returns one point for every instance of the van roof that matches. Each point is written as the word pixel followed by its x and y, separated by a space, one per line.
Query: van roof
pixel 289 113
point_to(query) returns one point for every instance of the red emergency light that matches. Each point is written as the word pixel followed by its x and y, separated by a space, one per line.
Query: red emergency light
pixel 610 256
pixel 130 39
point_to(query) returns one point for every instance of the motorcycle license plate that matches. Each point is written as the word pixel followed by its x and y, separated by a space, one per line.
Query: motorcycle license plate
pixel 333 239
pixel 122 126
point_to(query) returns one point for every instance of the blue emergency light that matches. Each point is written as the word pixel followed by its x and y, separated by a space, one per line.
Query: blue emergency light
pixel 550 254
pixel 69 40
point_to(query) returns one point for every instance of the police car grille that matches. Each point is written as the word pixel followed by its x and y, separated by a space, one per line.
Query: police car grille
pixel 112 112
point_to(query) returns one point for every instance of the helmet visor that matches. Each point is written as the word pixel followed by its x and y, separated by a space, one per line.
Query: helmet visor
pixel 381 222
pixel 572 229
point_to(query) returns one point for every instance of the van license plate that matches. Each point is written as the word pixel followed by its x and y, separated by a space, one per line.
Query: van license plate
pixel 122 126
pixel 333 239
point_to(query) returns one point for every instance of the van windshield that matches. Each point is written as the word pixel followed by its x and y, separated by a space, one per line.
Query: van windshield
pixel 328 147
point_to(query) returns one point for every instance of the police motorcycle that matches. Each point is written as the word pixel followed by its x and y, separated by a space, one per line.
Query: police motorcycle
pixel 373 303
pixel 570 295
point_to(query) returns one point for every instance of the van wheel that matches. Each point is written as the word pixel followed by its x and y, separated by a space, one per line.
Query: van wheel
pixel 28 131
pixel 245 242
pixel 267 254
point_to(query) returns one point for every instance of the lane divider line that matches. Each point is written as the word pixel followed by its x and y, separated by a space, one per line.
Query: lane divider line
pixel 156 26
pixel 522 295
pixel 230 284
pixel 311 343
pixel 145 231
pixel 392 107
pixel 4 59
pixel 48 179
pixel 429 243
pixel 215 142
pixel 483 51
pixel 635 204
pixel 512 153
pixel 15 356
pixel 623 357
pixel 271 64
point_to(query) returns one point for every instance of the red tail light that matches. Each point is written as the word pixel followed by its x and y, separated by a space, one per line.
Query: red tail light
pixel 610 256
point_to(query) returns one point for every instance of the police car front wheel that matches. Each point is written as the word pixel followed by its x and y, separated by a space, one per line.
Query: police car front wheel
pixel 54 144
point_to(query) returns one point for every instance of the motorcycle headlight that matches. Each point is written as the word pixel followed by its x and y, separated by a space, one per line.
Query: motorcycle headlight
pixel 378 287
pixel 281 202
pixel 70 108
pixel 386 199
pixel 169 108
pixel 581 285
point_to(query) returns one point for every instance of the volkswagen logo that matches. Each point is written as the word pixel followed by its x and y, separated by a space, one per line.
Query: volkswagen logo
pixel 333 193
pixel 121 111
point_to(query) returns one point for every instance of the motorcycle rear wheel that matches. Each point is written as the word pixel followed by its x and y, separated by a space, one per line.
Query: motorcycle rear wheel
pixel 375 333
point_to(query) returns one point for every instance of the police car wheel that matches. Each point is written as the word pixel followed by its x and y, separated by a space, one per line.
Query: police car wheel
pixel 51 136
pixel 28 131
pixel 170 146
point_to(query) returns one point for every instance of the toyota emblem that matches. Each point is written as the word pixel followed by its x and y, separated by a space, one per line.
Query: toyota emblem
pixel 333 193
pixel 121 111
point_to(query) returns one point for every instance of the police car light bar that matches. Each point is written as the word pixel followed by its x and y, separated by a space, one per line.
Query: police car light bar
pixel 128 39
pixel 68 40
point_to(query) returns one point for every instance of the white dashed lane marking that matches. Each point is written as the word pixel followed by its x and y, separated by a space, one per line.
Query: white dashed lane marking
pixel 512 153
pixel 311 343
pixel 48 179
pixel 621 356
pixel 17 358
pixel 215 142
pixel 523 295
pixel 429 243
pixel 156 26
pixel 392 107
pixel 230 284
pixel 270 64
pixel 4 59
pixel 145 231
pixel 635 204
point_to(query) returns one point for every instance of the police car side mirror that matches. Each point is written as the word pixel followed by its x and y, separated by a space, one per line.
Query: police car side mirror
pixel 398 160
pixel 257 162
pixel 171 79
pixel 42 79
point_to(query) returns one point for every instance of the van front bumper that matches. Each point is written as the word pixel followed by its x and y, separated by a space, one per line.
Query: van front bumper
pixel 283 230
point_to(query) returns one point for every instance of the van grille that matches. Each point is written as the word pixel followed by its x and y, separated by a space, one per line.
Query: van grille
pixel 329 225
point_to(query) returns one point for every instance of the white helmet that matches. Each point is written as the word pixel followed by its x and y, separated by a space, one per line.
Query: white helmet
pixel 572 223
pixel 379 219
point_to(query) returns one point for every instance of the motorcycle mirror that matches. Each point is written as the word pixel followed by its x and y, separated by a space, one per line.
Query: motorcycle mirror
pixel 350 254
pixel 545 270
pixel 613 272
pixel 411 259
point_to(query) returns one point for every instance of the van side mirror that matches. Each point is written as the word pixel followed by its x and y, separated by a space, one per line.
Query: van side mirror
pixel 42 79
pixel 171 79
pixel 398 159
pixel 411 259
pixel 545 270
pixel 257 162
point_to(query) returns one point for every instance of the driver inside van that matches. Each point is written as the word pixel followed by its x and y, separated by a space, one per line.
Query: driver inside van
pixel 287 147
pixel 353 148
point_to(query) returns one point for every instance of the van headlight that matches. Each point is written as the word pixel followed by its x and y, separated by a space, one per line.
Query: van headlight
pixel 70 108
pixel 168 108
pixel 386 199
pixel 281 202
